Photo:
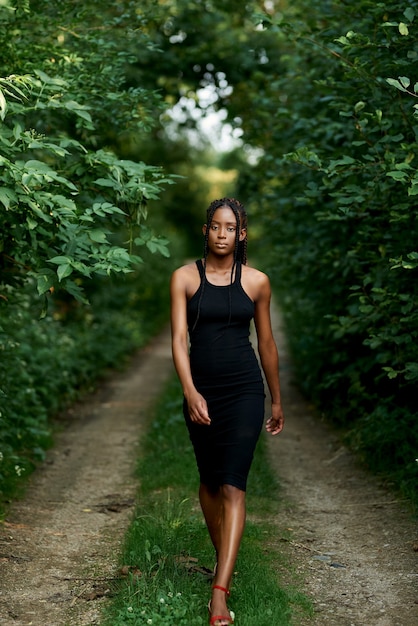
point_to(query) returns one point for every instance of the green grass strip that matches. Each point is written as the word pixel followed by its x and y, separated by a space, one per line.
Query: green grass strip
pixel 167 555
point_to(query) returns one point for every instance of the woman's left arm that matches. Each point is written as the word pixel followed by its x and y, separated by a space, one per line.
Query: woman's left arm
pixel 269 356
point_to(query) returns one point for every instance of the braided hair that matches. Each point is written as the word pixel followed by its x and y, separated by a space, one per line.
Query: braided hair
pixel 240 251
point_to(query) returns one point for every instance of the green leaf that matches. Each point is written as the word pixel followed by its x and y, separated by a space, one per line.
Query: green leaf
pixel 6 196
pixel 403 29
pixel 156 244
pixel 343 40
pixel 84 114
pixel 45 145
pixel 395 83
pixel 345 160
pixel 359 106
pixel 76 291
pixel 44 309
pixel 3 105
pixel 409 14
pixel 63 271
pixel 103 208
pixel 44 283
pixel 38 166
pixel 390 372
pixel 32 224
pixel 45 78
pixel 398 175
pixel 105 182
pixel 411 371
pixel 97 235
pixel 405 81
pixel 60 260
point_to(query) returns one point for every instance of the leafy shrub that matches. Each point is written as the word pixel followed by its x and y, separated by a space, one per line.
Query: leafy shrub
pixel 70 210
pixel 337 183
pixel 47 363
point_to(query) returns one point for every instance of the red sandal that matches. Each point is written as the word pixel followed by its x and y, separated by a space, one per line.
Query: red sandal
pixel 221 618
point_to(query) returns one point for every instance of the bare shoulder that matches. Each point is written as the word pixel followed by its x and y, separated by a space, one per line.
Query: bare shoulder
pixel 254 282
pixel 184 271
pixel 254 274
pixel 187 277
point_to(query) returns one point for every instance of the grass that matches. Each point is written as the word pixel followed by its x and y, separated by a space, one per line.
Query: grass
pixel 167 555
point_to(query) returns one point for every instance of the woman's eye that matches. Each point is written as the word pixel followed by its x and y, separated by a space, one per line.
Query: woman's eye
pixel 230 229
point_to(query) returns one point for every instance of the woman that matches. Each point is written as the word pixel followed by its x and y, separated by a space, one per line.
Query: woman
pixel 213 302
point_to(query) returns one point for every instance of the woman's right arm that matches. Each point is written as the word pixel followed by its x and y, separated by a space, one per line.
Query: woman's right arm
pixel 198 409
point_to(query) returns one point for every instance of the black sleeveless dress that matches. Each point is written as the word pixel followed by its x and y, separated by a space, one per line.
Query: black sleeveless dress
pixel 226 372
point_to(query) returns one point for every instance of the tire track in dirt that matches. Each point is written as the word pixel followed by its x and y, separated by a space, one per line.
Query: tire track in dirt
pixel 352 541
pixel 60 543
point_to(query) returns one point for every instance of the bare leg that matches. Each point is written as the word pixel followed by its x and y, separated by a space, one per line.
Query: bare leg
pixel 211 503
pixel 224 512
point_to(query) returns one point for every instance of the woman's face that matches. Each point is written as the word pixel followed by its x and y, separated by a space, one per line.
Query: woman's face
pixel 222 231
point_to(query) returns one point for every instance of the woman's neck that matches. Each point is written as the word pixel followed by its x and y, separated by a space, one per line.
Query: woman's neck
pixel 219 264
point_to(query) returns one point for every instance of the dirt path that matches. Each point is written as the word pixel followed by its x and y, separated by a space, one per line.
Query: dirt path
pixel 78 506
pixel 352 543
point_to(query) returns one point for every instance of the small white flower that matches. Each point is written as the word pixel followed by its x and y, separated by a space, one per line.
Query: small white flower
pixel 178 595
pixel 149 621
pixel 162 601
pixel 170 594
pixel 130 609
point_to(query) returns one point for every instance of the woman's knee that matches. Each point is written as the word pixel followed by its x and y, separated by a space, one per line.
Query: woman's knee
pixel 232 494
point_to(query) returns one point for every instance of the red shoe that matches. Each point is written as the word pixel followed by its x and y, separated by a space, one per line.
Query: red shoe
pixel 220 618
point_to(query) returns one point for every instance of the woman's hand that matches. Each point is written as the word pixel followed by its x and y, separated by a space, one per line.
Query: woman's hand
pixel 198 408
pixel 275 423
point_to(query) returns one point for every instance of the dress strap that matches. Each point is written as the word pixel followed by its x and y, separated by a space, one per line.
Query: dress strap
pixel 238 272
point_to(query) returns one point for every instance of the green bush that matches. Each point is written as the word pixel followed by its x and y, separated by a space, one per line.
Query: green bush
pixel 45 364
pixel 336 183
pixel 72 213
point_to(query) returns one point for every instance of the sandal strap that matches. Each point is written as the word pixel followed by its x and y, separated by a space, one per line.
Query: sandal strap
pixel 220 618
pixel 228 593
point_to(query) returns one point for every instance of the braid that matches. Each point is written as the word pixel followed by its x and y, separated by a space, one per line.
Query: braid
pixel 209 215
pixel 240 213
pixel 240 252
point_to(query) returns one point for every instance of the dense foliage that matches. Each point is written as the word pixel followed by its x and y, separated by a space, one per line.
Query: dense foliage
pixel 324 99
pixel 64 190
pixel 337 184
pixel 70 210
